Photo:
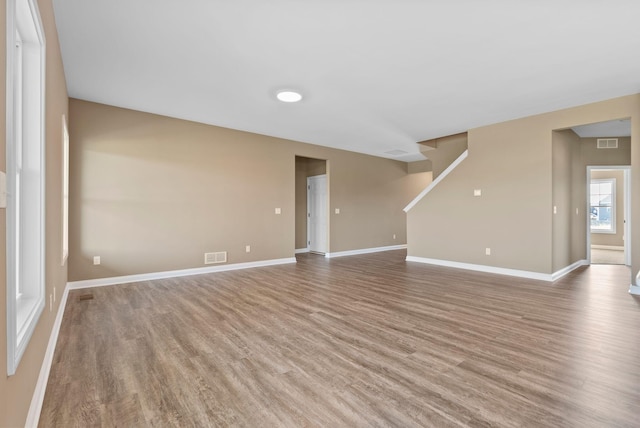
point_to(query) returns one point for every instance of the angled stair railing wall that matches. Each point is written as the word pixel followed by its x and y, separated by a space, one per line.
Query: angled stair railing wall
pixel 445 154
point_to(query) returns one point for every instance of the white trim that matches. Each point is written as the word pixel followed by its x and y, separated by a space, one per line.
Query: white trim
pixel 562 272
pixel 33 417
pixel 19 331
pixel 438 179
pixel 627 216
pixel 613 207
pixel 608 247
pixel 302 250
pixel 498 270
pixel 627 208
pixel 634 289
pixel 101 282
pixel 65 191
pixel 365 251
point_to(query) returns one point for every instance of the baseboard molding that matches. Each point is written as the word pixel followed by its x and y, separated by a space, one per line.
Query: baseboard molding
pixel 634 289
pixel 364 251
pixel 301 250
pixel 608 247
pixel 562 272
pixel 33 417
pixel 482 268
pixel 500 271
pixel 101 282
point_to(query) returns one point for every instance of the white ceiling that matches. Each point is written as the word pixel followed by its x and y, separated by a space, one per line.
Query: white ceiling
pixel 377 75
pixel 612 128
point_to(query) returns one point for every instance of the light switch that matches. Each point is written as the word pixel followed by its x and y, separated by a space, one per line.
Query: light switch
pixel 477 192
pixel 555 209
pixel 337 210
pixel 278 211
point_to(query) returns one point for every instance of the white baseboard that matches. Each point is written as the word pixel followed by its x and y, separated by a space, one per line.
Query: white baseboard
pixel 33 417
pixel 301 250
pixel 500 271
pixel 608 247
pixel 365 251
pixel 100 282
pixel 634 289
pixel 562 272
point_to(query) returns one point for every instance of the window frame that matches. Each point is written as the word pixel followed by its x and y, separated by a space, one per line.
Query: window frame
pixel 25 163
pixel 612 180
pixel 65 190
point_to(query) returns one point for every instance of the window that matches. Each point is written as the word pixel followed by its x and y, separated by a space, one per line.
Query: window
pixel 25 176
pixel 65 190
pixel 603 205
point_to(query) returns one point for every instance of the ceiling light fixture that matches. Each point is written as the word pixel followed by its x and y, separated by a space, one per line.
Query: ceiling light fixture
pixel 289 96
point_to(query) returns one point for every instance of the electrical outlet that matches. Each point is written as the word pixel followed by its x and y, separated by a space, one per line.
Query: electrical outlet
pixel 278 211
pixel 337 210
pixel 477 192
pixel 96 260
pixel 487 251
pixel 394 236
pixel 247 248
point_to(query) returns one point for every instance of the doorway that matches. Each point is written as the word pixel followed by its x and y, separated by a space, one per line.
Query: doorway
pixel 312 205
pixel 608 226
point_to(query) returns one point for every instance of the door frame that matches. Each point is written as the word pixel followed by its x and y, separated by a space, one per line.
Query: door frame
pixel 626 208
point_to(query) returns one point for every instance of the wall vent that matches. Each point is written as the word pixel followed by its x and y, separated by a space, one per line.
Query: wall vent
pixel 607 143
pixel 211 258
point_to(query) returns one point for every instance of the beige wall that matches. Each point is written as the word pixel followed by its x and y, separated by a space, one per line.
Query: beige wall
pixel 512 162
pixel 151 193
pixel 564 145
pixel 578 222
pixel 571 156
pixel 592 156
pixel 447 150
pixel 589 155
pixel 305 167
pixel 16 391
pixel 612 239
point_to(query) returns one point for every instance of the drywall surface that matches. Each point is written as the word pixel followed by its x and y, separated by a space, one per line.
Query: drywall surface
pixel 512 163
pixel 151 193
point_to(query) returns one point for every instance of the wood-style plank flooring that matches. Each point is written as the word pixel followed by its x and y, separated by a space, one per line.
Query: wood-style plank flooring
pixel 350 342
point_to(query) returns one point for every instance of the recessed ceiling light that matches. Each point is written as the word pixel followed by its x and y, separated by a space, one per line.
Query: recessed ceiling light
pixel 289 96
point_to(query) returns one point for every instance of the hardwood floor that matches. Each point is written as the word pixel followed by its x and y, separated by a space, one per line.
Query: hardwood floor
pixel 348 342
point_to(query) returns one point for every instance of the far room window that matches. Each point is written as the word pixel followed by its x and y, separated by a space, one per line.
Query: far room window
pixel 603 205
pixel 25 176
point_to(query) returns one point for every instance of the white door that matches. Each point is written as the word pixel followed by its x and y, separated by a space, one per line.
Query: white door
pixel 317 213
